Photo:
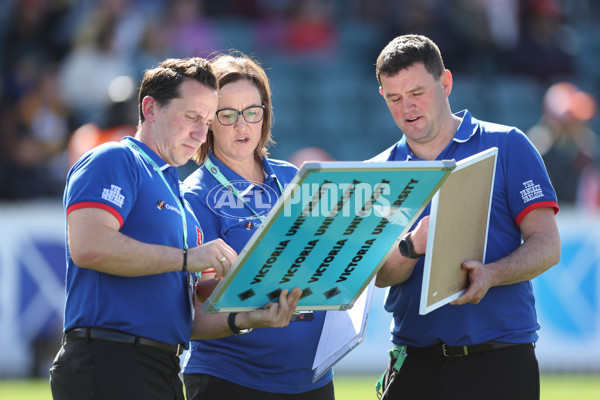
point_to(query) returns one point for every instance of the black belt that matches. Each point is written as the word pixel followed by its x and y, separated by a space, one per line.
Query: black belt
pixel 121 337
pixel 458 351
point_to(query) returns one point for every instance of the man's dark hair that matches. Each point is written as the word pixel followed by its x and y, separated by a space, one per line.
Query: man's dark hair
pixel 163 82
pixel 407 50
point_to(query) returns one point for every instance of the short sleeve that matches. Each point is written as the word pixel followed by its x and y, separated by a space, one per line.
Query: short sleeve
pixel 527 183
pixel 105 178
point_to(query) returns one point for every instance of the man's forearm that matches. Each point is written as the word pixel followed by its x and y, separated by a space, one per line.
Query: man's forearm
pixel 395 270
pixel 533 257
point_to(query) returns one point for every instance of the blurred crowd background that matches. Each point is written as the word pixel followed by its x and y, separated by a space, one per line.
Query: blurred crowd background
pixel 70 71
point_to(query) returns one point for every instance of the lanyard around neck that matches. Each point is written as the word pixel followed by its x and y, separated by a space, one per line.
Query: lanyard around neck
pixel 216 172
pixel 137 148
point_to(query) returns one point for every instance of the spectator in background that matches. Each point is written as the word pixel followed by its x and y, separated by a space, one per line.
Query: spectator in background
pixel 546 45
pixel 475 36
pixel 88 70
pixel 299 28
pixel 90 135
pixel 569 147
pixel 46 119
pixel 442 21
pixel 188 30
pixel 311 28
pixel 33 120
pixel 35 30
pixel 127 17
pixel 153 47
pixel 33 133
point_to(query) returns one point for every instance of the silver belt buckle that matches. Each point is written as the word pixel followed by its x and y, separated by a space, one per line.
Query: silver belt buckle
pixel 465 352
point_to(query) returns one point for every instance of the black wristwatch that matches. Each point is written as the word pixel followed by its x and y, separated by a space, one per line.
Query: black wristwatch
pixel 233 326
pixel 407 249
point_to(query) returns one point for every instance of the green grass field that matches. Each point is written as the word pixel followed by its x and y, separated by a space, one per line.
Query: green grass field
pixel 353 387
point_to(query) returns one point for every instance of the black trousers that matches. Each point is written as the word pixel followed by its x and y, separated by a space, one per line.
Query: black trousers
pixel 207 387
pixel 507 373
pixel 107 370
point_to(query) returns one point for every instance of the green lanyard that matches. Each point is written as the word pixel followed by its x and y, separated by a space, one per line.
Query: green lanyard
pixel 214 170
pixel 137 148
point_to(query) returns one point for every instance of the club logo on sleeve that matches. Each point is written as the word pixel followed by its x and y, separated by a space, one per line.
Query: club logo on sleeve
pixel 113 195
pixel 531 191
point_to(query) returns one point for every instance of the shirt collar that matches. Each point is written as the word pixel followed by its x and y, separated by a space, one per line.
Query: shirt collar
pixel 467 128
pixel 233 176
pixel 268 170
pixel 162 164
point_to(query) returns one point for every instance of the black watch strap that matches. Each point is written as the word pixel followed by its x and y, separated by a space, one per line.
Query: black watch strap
pixel 407 249
pixel 234 328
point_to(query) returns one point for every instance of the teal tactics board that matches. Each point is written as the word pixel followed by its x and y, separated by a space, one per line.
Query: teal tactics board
pixel 329 233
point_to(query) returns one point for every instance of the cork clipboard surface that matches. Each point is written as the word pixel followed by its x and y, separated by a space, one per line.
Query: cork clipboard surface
pixel 458 229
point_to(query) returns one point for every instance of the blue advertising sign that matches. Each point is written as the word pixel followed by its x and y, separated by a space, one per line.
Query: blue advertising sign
pixel 329 233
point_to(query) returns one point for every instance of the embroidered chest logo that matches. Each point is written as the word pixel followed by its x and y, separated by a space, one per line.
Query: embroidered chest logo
pixel 160 204
pixel 531 191
pixel 113 195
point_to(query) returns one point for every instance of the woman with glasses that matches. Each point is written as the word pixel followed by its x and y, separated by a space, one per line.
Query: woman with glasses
pixel 231 194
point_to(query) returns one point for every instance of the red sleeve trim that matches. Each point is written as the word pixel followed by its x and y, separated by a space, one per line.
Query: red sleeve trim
pixel 93 204
pixel 541 204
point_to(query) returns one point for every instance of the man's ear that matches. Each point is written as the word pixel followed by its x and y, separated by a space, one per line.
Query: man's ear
pixel 148 107
pixel 447 82
pixel 381 91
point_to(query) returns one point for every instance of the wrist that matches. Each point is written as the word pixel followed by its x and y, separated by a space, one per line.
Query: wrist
pixel 407 248
pixel 184 266
pixel 236 329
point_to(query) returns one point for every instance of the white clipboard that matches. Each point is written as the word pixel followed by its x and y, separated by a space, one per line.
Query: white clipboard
pixel 458 229
pixel 342 332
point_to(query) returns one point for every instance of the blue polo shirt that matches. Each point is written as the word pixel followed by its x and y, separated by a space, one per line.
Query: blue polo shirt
pixel 506 313
pixel 277 360
pixel 118 179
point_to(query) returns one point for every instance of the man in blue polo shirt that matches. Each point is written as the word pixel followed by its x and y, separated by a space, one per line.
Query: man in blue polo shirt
pixel 132 243
pixel 481 345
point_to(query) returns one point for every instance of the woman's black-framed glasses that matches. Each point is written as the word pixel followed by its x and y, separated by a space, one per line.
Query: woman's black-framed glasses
pixel 252 115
